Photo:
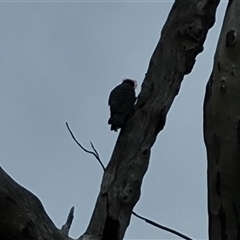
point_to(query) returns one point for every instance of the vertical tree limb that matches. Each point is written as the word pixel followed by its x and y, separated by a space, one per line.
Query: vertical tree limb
pixel 222 131
pixel 181 41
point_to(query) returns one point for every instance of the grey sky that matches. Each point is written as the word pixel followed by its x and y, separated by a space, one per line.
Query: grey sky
pixel 58 63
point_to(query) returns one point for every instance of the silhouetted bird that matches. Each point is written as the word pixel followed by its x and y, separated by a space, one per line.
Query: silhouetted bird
pixel 121 102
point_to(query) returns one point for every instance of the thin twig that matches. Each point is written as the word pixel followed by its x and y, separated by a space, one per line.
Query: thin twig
pixel 94 149
pixel 96 155
pixel 66 227
pixel 162 227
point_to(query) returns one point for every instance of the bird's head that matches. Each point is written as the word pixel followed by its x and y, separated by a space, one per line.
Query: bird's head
pixel 131 82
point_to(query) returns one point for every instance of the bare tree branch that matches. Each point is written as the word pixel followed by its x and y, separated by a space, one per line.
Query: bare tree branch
pixel 135 214
pixel 94 149
pixel 84 149
pixel 162 227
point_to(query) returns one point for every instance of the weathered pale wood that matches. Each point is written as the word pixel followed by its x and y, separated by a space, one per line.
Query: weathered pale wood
pixel 222 131
pixel 22 215
pixel 181 41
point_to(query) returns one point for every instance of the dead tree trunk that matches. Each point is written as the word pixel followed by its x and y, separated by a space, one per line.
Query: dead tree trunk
pixel 222 131
pixel 181 41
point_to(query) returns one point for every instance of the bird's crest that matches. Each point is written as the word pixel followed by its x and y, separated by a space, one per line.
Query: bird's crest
pixel 134 81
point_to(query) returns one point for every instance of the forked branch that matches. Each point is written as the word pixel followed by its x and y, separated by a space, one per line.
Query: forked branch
pixel 96 155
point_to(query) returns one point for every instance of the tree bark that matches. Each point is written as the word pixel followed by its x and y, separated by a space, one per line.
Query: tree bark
pixel 222 131
pixel 181 41
pixel 182 38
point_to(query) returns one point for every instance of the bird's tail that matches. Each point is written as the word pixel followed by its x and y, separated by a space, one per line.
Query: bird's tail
pixel 116 121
